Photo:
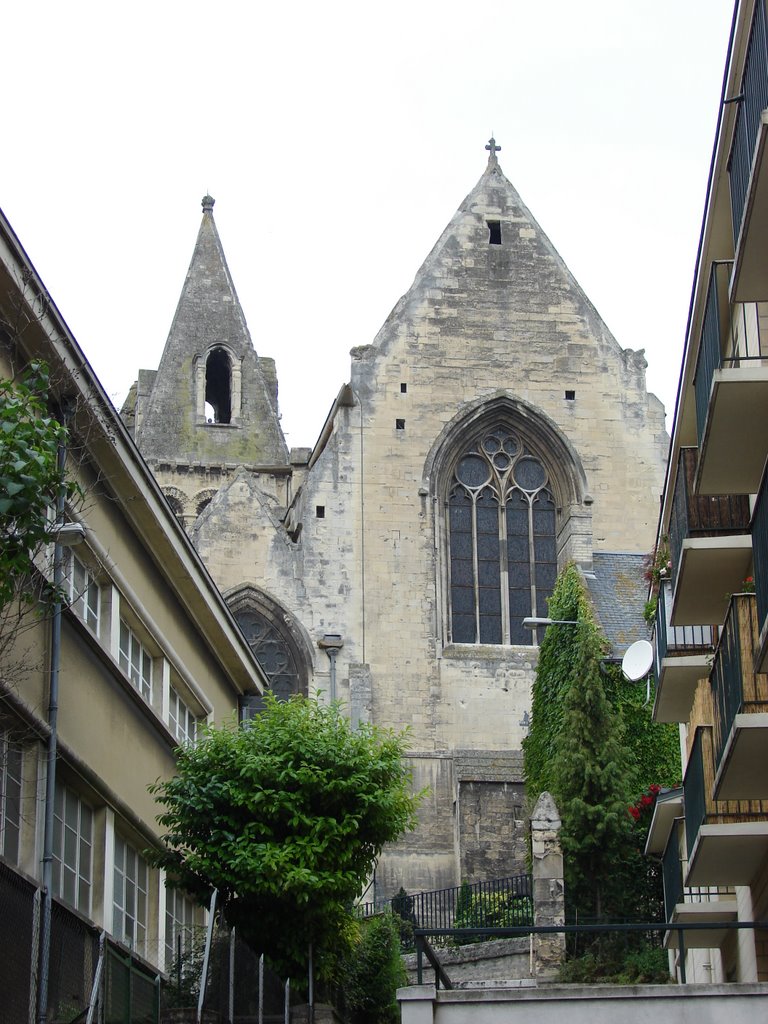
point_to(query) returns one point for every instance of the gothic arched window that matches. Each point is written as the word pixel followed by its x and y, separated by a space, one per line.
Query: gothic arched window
pixel 501 539
pixel 274 650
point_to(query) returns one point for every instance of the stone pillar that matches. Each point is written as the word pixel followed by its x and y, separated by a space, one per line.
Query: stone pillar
pixel 360 693
pixel 548 888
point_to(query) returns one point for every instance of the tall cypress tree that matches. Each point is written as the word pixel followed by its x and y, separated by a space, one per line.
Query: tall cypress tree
pixel 575 750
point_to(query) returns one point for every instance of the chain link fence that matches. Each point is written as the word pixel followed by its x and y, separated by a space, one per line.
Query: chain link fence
pixel 129 994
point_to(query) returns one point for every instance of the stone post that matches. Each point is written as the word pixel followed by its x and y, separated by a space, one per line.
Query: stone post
pixel 548 888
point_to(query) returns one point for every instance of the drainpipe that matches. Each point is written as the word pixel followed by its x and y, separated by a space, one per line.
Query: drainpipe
pixel 65 535
pixel 331 644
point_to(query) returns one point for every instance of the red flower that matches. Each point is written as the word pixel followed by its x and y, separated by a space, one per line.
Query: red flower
pixel 646 800
pixel 654 788
pixel 635 812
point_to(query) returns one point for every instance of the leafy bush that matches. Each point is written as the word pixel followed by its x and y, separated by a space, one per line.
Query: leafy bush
pixel 285 817
pixel 373 971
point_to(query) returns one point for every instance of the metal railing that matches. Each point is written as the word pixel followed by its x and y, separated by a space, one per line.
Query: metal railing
pixel 502 900
pixel 696 515
pixel 678 639
pixel 425 950
pixel 693 787
pixel 730 336
pixel 736 687
pixel 760 551
pixel 672 873
pixel 753 99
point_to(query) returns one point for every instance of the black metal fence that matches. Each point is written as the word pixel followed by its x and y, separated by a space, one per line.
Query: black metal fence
pixel 656 931
pixel 500 902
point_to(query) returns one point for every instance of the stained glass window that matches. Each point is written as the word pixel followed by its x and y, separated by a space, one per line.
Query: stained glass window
pixel 501 530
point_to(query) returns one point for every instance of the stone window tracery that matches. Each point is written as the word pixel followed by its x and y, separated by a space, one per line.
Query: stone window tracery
pixel 273 651
pixel 501 523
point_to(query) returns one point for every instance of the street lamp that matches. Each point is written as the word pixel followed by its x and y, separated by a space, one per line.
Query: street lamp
pixel 535 622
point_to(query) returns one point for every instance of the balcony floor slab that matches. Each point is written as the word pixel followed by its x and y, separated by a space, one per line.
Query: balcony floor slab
pixel 743 771
pixel 730 854
pixel 713 911
pixel 678 679
pixel 738 409
pixel 710 570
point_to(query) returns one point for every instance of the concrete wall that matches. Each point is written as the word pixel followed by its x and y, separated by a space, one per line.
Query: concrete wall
pixel 586 1004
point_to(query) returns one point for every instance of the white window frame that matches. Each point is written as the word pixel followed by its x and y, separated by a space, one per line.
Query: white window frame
pixel 180 919
pixel 11 774
pixel 72 849
pixel 130 896
pixel 182 721
pixel 82 590
pixel 135 660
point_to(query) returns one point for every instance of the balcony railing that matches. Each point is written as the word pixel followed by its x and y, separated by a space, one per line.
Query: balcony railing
pixel 694 789
pixel 760 551
pixel 736 687
pixel 672 640
pixel 672 874
pixel 701 515
pixel 754 99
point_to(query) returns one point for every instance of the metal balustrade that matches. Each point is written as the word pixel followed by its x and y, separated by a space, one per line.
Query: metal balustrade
pixel 696 515
pixel 694 790
pixel 753 99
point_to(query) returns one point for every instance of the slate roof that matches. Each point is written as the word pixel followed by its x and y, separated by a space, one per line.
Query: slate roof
pixel 619 592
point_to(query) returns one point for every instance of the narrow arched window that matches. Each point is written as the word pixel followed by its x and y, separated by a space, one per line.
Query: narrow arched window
pixel 218 386
pixel 501 539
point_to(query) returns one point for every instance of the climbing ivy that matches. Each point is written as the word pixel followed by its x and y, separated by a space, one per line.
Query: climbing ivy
pixel 30 478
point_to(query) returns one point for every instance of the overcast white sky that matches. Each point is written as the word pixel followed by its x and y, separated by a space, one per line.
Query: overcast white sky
pixel 338 139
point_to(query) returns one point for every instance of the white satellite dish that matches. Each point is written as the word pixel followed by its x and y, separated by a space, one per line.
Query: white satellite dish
pixel 636 663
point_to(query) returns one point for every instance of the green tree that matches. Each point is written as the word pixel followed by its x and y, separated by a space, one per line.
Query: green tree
pixel 286 817
pixel 575 750
pixel 31 480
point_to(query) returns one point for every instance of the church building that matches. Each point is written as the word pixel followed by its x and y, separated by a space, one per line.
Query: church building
pixel 491 432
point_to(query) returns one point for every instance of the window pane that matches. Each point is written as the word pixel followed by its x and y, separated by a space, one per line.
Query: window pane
pixel 463 628
pixel 463 600
pixel 490 629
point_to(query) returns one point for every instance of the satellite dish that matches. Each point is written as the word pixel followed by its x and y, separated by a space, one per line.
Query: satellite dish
pixel 636 663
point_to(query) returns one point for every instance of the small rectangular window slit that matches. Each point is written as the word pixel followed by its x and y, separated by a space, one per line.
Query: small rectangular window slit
pixel 320 511
pixel 399 424
pixel 494 232
pixel 570 396
pixel 403 388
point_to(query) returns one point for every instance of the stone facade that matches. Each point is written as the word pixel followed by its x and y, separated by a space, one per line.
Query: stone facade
pixel 354 538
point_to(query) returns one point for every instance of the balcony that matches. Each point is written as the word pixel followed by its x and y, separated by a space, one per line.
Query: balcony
pixel 747 168
pixel 731 386
pixel 683 656
pixel 727 840
pixel 760 552
pixel 685 905
pixel 740 698
pixel 710 547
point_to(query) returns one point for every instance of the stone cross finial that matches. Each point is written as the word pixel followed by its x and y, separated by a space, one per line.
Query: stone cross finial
pixel 493 149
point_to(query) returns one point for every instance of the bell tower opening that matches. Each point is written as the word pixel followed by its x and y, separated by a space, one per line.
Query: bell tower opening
pixel 218 385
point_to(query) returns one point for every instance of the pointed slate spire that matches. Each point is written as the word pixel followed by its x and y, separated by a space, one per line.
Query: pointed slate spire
pixel 212 400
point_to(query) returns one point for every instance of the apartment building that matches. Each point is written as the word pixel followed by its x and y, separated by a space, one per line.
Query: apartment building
pixel 711 631
pixel 148 652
